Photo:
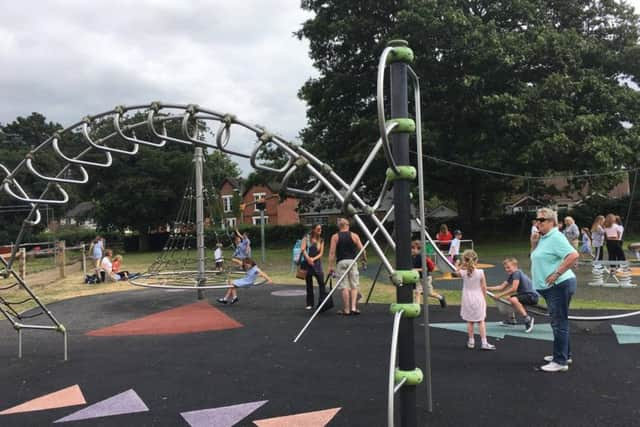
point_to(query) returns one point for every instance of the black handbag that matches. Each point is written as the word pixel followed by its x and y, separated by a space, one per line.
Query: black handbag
pixel 329 304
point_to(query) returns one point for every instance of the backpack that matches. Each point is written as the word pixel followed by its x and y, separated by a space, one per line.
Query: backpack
pixel 296 251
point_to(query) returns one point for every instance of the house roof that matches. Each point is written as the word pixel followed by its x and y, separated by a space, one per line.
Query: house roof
pixel 325 204
pixel 523 202
pixel 442 212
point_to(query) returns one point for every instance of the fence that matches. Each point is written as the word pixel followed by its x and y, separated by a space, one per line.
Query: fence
pixel 44 262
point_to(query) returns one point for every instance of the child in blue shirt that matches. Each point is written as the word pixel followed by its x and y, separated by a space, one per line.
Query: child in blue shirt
pixel 252 273
pixel 518 289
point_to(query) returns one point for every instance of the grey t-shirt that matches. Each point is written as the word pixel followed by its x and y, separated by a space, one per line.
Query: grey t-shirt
pixel 572 232
pixel 525 286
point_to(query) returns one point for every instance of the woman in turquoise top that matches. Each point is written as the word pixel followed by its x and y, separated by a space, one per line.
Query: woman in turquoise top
pixel 551 274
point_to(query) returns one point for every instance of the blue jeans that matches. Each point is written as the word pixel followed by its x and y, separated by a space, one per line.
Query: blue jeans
pixel 558 298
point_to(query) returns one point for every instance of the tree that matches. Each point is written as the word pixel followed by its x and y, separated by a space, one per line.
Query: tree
pixel 527 87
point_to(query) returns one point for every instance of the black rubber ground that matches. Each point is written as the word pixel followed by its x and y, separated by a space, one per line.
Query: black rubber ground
pixel 340 362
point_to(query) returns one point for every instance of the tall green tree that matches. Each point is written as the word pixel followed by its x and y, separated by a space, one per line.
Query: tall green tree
pixel 526 87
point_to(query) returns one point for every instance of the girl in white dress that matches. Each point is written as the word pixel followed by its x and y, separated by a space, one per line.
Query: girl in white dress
pixel 473 308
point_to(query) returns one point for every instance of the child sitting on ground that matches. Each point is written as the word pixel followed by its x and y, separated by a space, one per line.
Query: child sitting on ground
pixel 416 258
pixel 518 289
pixel 116 265
pixel 252 273
pixel 473 307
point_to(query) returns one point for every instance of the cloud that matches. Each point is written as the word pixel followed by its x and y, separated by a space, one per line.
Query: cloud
pixel 67 59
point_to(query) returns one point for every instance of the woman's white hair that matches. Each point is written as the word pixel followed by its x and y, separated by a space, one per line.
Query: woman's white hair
pixel 549 214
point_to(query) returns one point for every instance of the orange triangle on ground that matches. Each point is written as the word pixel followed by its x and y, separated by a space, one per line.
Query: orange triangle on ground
pixel 197 317
pixel 308 419
pixel 69 396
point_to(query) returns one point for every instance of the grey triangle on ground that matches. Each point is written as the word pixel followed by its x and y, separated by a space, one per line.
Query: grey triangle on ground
pixel 224 416
pixel 127 402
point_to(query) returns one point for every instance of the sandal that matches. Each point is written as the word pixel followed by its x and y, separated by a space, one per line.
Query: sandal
pixel 343 313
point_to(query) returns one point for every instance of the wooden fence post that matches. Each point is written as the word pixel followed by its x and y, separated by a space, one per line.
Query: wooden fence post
pixel 62 258
pixel 23 263
pixel 84 260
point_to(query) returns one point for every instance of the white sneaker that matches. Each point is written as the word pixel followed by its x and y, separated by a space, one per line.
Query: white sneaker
pixel 487 346
pixel 554 367
pixel 471 344
pixel 308 307
pixel 550 359
pixel 528 325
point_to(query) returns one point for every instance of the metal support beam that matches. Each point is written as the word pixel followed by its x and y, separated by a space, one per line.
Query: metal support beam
pixel 198 159
pixel 402 222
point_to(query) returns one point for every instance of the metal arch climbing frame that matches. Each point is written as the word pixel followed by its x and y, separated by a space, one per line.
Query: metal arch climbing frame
pixel 105 133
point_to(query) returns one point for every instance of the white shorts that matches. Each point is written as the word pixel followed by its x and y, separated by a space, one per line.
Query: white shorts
pixel 352 279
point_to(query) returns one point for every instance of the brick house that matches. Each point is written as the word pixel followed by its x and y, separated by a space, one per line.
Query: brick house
pixel 276 213
pixel 565 200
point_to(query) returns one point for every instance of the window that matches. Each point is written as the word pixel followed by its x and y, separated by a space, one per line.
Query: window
pixel 310 220
pixel 563 207
pixel 256 220
pixel 226 203
pixel 256 197
pixel 231 222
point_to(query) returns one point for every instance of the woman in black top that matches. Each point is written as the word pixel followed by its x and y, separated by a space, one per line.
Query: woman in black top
pixel 312 250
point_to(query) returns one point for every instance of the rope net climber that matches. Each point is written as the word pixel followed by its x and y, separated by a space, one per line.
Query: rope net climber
pixel 177 265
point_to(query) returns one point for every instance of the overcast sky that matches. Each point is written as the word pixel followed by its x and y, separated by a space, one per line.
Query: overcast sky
pixel 67 59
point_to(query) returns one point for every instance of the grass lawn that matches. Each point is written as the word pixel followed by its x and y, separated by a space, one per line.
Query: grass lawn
pixel 278 266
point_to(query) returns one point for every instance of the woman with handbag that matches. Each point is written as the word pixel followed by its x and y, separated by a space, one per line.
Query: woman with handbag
pixel 312 251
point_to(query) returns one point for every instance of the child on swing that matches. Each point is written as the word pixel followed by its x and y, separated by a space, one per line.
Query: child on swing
pixel 252 273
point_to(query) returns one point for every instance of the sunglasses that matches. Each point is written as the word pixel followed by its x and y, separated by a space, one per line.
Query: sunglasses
pixel 542 219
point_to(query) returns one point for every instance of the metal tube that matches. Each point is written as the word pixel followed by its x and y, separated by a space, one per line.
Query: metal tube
pixel 19 343
pixel 262 243
pixel 66 346
pixel 399 385
pixel 402 222
pixel 421 207
pixel 198 159
pixel 392 368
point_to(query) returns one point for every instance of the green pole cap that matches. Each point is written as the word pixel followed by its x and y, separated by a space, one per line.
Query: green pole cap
pixel 405 277
pixel 410 310
pixel 407 173
pixel 400 52
pixel 413 377
pixel 404 125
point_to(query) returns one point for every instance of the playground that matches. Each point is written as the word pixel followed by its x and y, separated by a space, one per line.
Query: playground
pixel 217 357
pixel 184 339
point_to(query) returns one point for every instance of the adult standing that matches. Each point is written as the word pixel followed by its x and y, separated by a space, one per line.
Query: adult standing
pixel 571 231
pixel 312 248
pixel 597 238
pixel 343 248
pixel 613 234
pixel 97 249
pixel 444 237
pixel 551 274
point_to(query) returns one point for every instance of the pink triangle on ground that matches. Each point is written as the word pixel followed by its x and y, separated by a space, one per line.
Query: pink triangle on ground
pixel 127 402
pixel 69 396
pixel 225 416
pixel 308 419
pixel 197 317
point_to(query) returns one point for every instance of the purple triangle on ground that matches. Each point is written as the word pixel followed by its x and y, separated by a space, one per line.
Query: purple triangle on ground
pixel 127 402
pixel 225 416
